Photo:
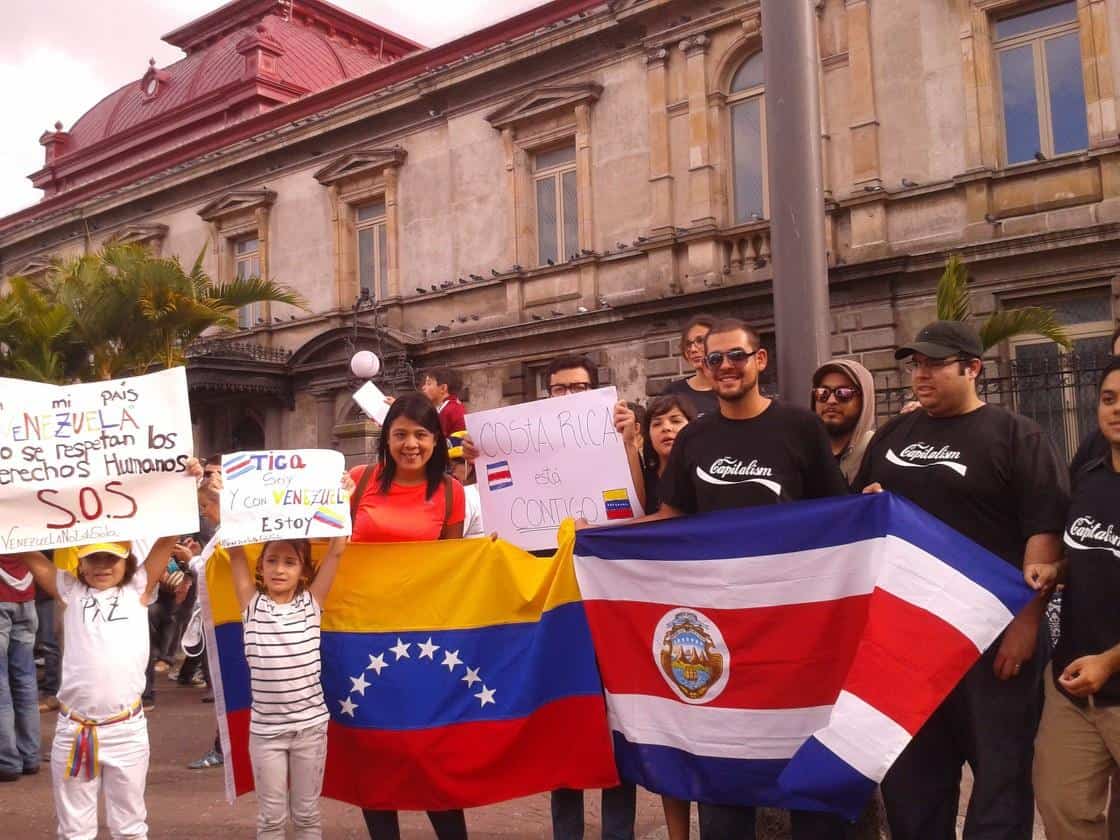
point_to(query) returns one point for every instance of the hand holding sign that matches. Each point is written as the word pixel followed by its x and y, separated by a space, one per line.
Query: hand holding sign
pixel 278 495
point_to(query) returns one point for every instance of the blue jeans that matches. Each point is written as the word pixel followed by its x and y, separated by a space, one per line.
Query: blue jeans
pixel 618 813
pixel 47 644
pixel 19 693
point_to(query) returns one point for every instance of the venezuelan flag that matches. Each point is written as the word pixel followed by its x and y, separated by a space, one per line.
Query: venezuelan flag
pixel 457 674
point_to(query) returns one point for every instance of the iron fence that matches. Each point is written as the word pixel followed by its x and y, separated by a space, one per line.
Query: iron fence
pixel 1057 390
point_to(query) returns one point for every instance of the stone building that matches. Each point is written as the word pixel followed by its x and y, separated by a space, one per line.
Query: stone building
pixel 584 177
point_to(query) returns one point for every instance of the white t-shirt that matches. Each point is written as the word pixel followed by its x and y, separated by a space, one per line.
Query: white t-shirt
pixel 106 650
pixel 472 521
pixel 282 649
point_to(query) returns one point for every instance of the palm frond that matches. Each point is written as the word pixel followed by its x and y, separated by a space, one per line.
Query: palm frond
pixel 952 291
pixel 1030 320
pixel 241 292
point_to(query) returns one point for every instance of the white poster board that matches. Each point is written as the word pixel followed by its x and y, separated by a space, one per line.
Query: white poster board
pixel 372 401
pixel 94 462
pixel 542 462
pixel 283 494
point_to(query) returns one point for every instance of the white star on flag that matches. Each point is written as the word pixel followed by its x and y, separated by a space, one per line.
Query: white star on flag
pixel 428 650
pixel 472 676
pixel 348 706
pixel 376 663
pixel 486 695
pixel 401 649
pixel 360 684
pixel 451 659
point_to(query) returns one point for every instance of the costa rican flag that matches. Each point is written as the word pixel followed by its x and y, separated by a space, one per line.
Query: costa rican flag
pixel 498 475
pixel 238 468
pixel 785 655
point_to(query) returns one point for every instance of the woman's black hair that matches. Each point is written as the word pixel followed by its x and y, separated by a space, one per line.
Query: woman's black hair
pixel 418 409
pixel 663 405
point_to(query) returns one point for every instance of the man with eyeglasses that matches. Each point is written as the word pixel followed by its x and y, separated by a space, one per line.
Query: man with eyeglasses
pixel 843 396
pixel 994 477
pixel 753 451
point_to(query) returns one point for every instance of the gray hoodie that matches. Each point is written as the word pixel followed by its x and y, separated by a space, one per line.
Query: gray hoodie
pixel 851 457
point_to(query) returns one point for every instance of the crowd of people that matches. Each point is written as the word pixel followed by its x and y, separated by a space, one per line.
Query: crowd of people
pixel 1037 726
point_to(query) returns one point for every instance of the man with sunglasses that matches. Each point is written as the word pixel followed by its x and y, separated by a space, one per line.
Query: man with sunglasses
pixel 994 477
pixel 753 451
pixel 843 396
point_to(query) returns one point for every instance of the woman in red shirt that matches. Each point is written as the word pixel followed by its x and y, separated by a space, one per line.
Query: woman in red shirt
pixel 408 496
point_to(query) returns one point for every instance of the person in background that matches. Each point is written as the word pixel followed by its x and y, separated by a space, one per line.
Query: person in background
pixel 441 387
pixel 843 397
pixel 1092 447
pixel 47 646
pixel 649 441
pixel 1077 748
pixel 993 476
pixel 699 387
pixel 19 707
pixel 405 495
pixel 462 471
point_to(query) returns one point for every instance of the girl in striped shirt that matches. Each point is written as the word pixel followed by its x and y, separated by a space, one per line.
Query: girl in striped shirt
pixel 288 719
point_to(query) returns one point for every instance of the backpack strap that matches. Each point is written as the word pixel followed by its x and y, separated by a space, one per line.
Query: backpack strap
pixel 447 498
pixel 360 489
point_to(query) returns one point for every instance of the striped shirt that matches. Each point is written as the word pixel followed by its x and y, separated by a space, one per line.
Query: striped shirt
pixel 282 649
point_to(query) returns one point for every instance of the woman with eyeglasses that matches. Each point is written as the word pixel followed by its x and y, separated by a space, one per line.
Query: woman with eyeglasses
pixel 698 388
pixel 843 396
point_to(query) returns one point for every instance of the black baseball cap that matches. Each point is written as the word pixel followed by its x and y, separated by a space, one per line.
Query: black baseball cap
pixel 943 339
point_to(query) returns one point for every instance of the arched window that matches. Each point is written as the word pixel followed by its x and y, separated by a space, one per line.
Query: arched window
pixel 748 141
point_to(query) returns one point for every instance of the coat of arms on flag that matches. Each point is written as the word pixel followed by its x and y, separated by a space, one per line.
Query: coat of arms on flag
pixel 498 475
pixel 617 504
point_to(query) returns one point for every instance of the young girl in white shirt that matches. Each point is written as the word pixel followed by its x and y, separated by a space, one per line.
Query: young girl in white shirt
pixel 101 741
pixel 281 609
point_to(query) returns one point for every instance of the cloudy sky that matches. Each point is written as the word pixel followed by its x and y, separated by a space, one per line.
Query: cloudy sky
pixel 59 57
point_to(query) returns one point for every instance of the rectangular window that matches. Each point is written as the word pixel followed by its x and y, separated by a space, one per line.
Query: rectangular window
pixel 373 249
pixel 554 178
pixel 1039 61
pixel 247 265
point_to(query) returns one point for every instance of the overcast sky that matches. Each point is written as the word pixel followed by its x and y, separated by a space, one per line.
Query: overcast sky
pixel 58 58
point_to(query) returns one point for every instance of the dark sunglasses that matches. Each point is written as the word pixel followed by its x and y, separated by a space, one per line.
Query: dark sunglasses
pixel 737 357
pixel 844 393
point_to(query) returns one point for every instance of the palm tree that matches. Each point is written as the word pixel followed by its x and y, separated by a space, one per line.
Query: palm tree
pixel 953 304
pixel 118 312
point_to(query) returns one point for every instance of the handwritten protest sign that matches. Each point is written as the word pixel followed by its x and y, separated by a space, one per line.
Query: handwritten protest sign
pixel 288 494
pixel 544 461
pixel 93 462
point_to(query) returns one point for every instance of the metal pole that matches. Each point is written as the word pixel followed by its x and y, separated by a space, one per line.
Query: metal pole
pixel 796 192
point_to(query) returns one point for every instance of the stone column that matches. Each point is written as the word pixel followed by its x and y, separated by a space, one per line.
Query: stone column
pixel 324 419
pixel 392 235
pixel 660 164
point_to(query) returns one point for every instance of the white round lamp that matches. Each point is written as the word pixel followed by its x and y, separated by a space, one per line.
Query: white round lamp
pixel 365 365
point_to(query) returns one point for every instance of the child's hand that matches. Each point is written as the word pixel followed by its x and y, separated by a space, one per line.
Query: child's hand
pixel 216 482
pixel 194 468
pixel 1040 576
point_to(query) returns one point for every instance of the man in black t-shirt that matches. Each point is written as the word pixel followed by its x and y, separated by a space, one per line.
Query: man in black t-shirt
pixel 994 477
pixel 1095 446
pixel 754 451
pixel 1079 737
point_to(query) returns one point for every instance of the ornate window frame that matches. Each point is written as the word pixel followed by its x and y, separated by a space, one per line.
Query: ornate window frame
pixel 353 180
pixel 150 236
pixel 233 216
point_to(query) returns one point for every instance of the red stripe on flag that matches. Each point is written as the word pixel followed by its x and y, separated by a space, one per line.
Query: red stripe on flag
pixel 498 475
pixel 908 661
pixel 238 725
pixel 565 743
pixel 783 657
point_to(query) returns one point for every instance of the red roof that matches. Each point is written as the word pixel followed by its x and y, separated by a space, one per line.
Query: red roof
pixel 242 59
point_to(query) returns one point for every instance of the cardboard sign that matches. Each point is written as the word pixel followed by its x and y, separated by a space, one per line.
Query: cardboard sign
pixel 94 462
pixel 283 494
pixel 544 461
pixel 371 400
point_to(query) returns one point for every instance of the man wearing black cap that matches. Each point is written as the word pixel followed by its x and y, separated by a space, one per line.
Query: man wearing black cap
pixel 993 476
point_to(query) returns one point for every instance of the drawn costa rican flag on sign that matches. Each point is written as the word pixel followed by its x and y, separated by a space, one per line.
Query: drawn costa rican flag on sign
pixel 784 655
pixel 498 475
pixel 239 468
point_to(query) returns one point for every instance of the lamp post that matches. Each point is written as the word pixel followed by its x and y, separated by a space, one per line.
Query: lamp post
pixel 796 192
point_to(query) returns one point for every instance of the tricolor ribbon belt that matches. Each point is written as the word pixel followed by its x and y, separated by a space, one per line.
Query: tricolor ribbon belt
pixel 83 754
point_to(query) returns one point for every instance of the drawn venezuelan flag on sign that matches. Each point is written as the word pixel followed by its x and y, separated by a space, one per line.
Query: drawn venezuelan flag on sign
pixel 457 674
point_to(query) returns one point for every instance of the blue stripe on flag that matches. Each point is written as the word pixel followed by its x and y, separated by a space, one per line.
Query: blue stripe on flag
pixel 724 781
pixel 235 670
pixel 833 783
pixel 802 526
pixel 527 665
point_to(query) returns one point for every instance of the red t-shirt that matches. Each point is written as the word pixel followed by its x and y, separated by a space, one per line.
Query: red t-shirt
pixel 16 583
pixel 452 417
pixel 403 514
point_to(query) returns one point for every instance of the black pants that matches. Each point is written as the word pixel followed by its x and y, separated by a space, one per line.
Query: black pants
pixel 728 822
pixel 619 804
pixel 991 724
pixel 448 825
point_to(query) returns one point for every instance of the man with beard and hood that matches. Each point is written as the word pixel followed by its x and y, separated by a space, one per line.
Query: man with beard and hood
pixel 843 397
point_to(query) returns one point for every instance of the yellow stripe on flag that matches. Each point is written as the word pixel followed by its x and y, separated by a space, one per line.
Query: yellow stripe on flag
pixel 467 583
pixel 219 583
pixel 615 495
